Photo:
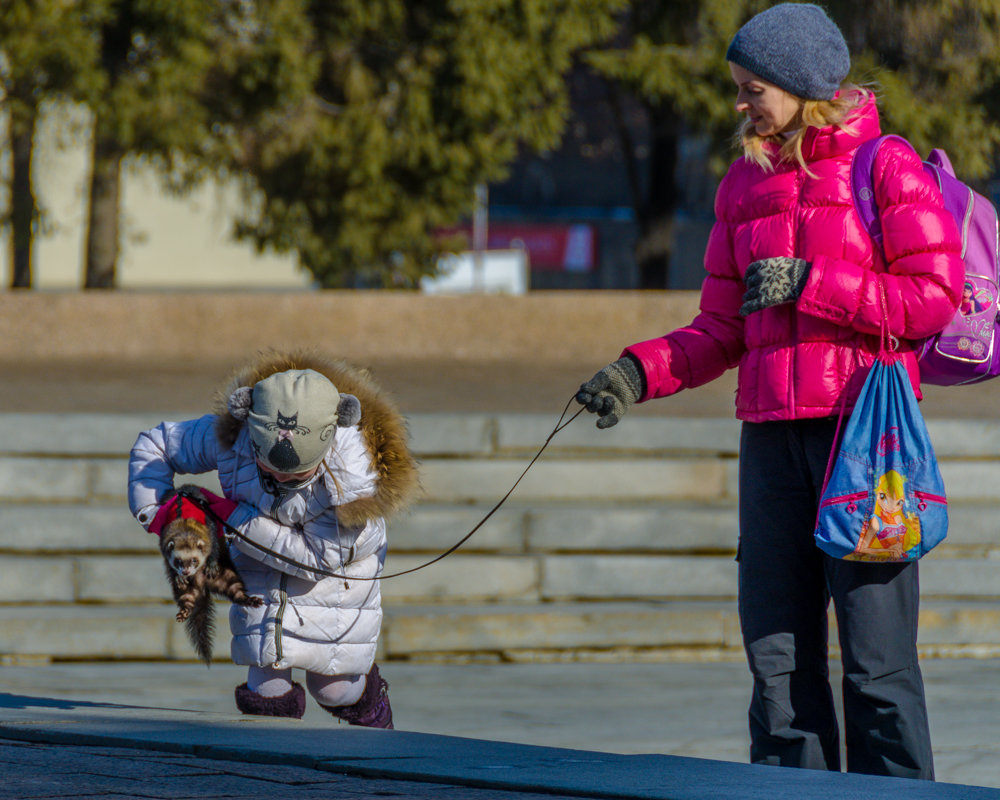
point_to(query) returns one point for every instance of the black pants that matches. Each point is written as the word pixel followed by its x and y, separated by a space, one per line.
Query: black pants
pixel 785 586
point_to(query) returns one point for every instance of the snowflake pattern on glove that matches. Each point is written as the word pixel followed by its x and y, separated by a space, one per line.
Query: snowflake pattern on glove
pixel 773 282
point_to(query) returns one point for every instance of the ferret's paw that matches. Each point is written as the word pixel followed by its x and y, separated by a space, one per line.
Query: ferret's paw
pixel 254 602
pixel 183 614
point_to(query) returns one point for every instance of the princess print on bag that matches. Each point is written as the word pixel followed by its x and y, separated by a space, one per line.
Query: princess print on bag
pixel 892 532
pixel 974 300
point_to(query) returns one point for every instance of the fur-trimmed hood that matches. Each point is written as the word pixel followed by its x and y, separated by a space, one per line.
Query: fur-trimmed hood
pixel 382 426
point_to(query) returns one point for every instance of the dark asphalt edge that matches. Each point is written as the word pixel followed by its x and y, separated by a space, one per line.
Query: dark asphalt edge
pixel 349 767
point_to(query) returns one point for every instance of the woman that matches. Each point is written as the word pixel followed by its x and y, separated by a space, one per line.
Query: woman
pixel 791 297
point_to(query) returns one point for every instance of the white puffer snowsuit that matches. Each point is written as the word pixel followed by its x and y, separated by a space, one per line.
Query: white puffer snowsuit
pixel 335 523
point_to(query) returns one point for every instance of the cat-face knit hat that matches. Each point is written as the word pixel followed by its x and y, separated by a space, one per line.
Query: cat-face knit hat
pixel 795 46
pixel 292 417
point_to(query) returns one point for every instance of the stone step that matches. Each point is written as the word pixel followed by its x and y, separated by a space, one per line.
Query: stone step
pixel 468 579
pixel 580 477
pixel 681 630
pixel 476 434
pixel 527 553
pixel 518 527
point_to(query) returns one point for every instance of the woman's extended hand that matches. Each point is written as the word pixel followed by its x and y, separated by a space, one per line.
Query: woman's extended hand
pixel 773 282
pixel 611 392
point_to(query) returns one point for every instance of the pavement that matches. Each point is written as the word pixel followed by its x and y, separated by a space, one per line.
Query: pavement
pixel 476 731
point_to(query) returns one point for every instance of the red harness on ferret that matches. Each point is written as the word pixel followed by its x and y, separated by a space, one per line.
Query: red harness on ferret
pixel 181 507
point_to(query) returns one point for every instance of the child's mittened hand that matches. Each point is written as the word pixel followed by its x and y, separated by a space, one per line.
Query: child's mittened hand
pixel 222 507
pixel 160 519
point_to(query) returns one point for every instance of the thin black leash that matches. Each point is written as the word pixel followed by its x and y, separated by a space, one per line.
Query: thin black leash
pixel 234 533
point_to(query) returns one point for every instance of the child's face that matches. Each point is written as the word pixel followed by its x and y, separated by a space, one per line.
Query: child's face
pixel 287 477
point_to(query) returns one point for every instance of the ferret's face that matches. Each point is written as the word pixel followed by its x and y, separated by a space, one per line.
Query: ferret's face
pixel 186 546
pixel 187 560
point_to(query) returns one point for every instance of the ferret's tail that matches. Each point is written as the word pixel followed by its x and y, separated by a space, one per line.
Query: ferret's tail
pixel 201 628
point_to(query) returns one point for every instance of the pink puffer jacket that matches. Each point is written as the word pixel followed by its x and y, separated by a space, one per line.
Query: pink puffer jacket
pixel 797 360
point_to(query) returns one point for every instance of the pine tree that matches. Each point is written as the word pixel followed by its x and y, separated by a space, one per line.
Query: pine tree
pixel 670 56
pixel 412 105
pixel 47 55
pixel 153 57
pixel 933 64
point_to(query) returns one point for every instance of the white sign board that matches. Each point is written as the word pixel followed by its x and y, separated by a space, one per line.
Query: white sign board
pixel 489 271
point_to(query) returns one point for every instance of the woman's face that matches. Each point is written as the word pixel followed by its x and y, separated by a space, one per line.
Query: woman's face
pixel 770 108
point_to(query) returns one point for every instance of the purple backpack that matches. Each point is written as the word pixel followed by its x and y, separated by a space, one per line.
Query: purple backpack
pixel 968 349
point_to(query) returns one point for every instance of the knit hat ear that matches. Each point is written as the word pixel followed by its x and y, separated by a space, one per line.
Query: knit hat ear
pixel 239 402
pixel 348 411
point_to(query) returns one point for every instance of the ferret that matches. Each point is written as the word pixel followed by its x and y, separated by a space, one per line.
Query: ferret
pixel 197 565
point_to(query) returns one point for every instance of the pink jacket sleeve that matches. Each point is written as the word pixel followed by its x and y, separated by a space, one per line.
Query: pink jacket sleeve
pixel 922 248
pixel 713 342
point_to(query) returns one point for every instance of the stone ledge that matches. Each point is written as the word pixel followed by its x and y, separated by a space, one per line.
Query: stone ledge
pixel 527 432
pixel 413 630
pixel 463 578
pixel 87 631
pixel 543 526
pixel 470 434
pixel 73 434
pixel 472 577
pixel 697 630
pixel 621 577
pixel 583 480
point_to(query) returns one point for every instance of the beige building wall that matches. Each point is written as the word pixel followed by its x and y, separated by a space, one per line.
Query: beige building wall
pixel 166 241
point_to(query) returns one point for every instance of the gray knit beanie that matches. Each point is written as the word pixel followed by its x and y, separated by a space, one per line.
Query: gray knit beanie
pixel 795 46
pixel 291 417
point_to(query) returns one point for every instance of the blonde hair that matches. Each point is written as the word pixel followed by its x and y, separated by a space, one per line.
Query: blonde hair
pixel 811 114
pixel 891 483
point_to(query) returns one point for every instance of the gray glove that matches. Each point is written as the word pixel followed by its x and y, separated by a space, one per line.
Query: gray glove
pixel 611 392
pixel 772 282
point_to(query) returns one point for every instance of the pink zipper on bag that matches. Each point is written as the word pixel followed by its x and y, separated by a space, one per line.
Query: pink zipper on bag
pixel 925 497
pixel 845 498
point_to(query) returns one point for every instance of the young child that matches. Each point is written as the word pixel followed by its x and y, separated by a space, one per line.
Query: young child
pixel 311 458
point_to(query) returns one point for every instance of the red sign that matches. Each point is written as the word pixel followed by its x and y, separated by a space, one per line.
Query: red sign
pixel 569 248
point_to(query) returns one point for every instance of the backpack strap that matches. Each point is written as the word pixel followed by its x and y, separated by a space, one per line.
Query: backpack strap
pixel 862 183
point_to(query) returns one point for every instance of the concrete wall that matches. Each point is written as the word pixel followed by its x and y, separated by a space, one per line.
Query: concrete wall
pixel 553 326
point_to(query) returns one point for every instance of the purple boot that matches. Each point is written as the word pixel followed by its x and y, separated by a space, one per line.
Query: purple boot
pixel 373 709
pixel 290 704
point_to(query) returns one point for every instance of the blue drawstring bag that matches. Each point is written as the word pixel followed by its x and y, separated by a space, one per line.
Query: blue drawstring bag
pixel 884 499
